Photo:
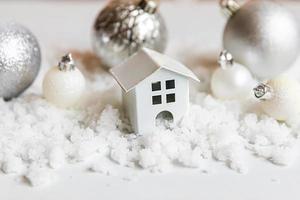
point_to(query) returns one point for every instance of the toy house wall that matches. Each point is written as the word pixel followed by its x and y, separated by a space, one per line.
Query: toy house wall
pixel 147 112
pixel 129 102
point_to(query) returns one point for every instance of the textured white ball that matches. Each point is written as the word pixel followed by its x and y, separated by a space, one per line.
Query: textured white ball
pixel 63 88
pixel 232 83
pixel 285 101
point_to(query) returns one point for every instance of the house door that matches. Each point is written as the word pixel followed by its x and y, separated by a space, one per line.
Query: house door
pixel 164 118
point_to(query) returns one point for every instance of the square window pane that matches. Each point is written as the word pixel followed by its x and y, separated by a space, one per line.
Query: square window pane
pixel 156 100
pixel 170 84
pixel 156 86
pixel 170 98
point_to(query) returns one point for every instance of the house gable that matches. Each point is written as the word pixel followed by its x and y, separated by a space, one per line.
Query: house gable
pixel 144 63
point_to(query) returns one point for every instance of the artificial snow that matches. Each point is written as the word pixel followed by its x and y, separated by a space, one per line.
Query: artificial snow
pixel 37 137
pixel 39 176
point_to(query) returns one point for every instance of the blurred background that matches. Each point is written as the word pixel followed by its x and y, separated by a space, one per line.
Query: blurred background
pixel 126 0
pixel 157 0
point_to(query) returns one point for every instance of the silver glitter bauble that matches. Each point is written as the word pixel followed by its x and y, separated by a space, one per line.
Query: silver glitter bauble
pixel 262 35
pixel 122 28
pixel 20 59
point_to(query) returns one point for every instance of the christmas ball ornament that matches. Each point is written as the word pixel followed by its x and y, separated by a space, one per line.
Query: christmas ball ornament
pixel 20 59
pixel 64 84
pixel 279 97
pixel 122 28
pixel 232 81
pixel 261 35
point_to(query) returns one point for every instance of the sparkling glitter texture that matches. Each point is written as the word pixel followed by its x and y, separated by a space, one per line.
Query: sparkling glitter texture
pixel 124 27
pixel 20 59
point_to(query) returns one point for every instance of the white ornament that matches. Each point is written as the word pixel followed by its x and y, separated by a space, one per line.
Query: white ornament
pixel 64 84
pixel 232 81
pixel 280 97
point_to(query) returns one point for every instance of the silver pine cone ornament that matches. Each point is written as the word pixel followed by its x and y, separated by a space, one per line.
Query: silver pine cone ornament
pixel 122 28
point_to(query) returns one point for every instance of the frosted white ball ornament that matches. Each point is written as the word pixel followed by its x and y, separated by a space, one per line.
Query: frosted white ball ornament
pixel 231 81
pixel 261 35
pixel 64 84
pixel 279 97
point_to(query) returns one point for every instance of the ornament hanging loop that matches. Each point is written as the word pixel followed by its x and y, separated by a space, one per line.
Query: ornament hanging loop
pixel 229 7
pixel 225 60
pixel 149 6
pixel 263 92
pixel 66 63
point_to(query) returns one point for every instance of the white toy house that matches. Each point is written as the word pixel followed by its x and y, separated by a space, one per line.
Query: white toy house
pixel 154 86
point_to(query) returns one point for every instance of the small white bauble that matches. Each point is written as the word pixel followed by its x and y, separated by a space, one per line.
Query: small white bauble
pixel 64 84
pixel 280 97
pixel 232 81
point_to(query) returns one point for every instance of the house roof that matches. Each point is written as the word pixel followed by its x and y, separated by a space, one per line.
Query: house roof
pixel 144 63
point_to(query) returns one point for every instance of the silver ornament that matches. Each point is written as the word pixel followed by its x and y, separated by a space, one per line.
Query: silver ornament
pixel 122 28
pixel 20 59
pixel 262 35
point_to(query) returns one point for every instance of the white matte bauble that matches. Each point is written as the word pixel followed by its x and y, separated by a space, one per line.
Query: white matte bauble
pixel 235 83
pixel 63 86
pixel 261 35
pixel 284 100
